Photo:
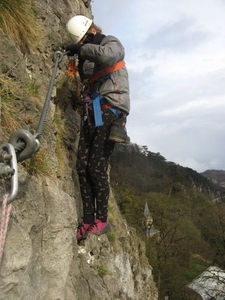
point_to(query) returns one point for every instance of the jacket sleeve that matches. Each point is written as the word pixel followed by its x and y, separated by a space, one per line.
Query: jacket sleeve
pixel 106 54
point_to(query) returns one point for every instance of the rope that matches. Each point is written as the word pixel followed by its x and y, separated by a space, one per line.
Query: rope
pixel 6 210
pixel 57 58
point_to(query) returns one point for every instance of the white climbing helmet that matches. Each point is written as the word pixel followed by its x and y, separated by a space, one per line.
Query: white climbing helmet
pixel 78 26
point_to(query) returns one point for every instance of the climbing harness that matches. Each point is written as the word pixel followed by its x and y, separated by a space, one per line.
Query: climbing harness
pixel 87 97
pixel 98 102
pixel 101 73
pixel 22 144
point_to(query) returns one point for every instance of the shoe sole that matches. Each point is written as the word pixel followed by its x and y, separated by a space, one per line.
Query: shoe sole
pixel 83 237
pixel 104 230
pixel 118 140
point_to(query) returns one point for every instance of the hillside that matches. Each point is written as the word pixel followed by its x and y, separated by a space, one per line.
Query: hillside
pixel 190 226
pixel 148 171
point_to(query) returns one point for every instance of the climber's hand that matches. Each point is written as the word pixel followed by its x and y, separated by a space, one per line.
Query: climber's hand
pixel 73 49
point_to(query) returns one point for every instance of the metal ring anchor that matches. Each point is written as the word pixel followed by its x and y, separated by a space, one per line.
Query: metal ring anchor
pixel 58 56
pixel 32 145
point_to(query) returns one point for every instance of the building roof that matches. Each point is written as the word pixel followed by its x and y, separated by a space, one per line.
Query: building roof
pixel 210 284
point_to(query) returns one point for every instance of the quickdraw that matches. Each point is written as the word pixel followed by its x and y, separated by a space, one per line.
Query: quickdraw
pixel 83 96
pixel 72 71
pixel 8 167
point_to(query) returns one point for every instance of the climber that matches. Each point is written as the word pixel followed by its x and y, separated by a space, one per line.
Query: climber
pixel 106 94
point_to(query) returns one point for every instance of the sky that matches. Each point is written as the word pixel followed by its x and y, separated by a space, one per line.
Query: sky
pixel 175 56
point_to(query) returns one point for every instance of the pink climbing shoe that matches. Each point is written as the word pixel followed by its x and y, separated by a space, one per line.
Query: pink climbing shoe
pixel 98 227
pixel 82 231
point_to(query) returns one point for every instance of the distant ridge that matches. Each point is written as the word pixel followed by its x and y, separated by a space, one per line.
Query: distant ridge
pixel 215 176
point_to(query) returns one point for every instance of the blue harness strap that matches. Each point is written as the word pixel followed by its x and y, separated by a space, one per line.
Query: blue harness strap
pixel 97 101
pixel 115 111
pixel 97 109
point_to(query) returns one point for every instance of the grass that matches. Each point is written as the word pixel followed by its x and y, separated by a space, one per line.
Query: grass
pixel 32 87
pixel 197 266
pixel 111 236
pixel 9 90
pixel 39 164
pixel 102 271
pixel 59 147
pixel 18 21
pixel 6 116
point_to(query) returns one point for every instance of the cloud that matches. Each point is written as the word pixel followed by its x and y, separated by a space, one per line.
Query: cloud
pixel 178 36
pixel 184 123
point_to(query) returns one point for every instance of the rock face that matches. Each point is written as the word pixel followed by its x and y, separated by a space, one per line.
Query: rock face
pixel 42 260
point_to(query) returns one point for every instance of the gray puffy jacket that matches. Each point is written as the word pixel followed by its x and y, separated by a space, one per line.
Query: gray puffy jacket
pixel 115 86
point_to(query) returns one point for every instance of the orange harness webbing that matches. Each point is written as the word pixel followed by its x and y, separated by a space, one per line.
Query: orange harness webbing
pixel 120 64
pixel 106 106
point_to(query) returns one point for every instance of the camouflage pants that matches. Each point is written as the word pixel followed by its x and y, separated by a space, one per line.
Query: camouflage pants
pixel 94 152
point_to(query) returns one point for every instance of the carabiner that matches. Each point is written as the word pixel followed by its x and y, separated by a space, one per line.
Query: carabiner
pixel 13 164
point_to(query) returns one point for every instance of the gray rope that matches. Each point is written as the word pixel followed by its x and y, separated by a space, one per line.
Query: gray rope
pixel 57 58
